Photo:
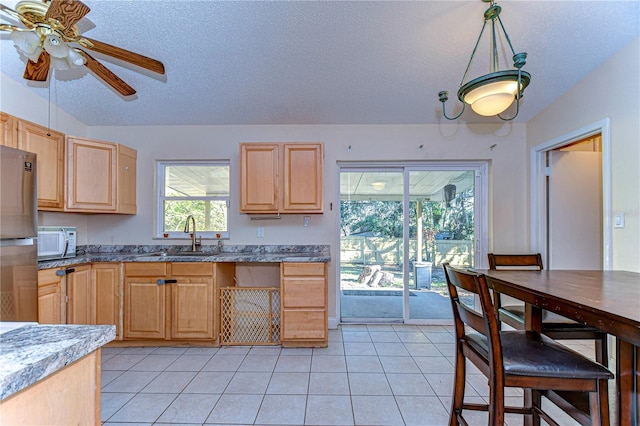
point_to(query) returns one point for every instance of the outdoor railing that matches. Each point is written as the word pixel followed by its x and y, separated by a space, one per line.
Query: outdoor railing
pixel 388 251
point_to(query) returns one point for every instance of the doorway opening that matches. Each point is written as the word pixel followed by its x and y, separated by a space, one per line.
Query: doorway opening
pixel 540 226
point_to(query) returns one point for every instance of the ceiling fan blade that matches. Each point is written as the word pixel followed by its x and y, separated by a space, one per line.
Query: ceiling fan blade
pixel 105 74
pixel 67 12
pixel 124 55
pixel 5 27
pixel 10 12
pixel 38 71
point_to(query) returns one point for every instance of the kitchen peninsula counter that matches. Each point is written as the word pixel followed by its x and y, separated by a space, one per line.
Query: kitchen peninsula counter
pixel 231 254
pixel 50 374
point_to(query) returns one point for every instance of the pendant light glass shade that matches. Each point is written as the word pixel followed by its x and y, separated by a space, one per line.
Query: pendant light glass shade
pixel 492 93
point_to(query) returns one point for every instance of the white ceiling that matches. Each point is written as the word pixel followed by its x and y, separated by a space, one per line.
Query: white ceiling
pixel 322 62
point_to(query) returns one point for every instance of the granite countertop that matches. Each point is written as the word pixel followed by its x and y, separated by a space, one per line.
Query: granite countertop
pixel 158 253
pixel 32 352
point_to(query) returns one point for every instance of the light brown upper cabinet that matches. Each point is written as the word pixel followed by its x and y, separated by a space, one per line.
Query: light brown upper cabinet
pixel 8 130
pixel 48 145
pixel 101 177
pixel 82 175
pixel 281 177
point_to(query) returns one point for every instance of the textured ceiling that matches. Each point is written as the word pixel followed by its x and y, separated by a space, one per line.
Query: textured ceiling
pixel 322 62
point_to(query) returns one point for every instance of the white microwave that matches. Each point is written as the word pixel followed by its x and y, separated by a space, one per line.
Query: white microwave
pixel 56 242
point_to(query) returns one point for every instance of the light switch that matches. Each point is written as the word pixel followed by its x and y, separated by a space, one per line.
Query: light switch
pixel 261 232
pixel 306 221
pixel 618 220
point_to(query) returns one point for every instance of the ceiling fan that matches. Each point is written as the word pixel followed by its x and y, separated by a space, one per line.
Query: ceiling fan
pixel 52 39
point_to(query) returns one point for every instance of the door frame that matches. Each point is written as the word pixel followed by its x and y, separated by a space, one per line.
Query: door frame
pixel 481 216
pixel 538 168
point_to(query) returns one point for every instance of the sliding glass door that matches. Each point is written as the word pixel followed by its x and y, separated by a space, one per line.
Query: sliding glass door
pixel 371 245
pixel 397 226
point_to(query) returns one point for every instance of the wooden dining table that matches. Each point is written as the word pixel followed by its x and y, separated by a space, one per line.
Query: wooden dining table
pixel 607 300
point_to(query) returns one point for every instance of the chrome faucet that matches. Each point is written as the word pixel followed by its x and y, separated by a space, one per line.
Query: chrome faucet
pixel 195 241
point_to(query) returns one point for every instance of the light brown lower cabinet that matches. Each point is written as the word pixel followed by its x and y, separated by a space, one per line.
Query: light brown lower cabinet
pixel 144 300
pixel 51 309
pixel 80 296
pixel 304 304
pixel 169 301
pixel 192 295
pixel 106 279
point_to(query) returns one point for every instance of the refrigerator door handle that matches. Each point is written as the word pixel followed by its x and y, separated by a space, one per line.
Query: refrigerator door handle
pixel 17 242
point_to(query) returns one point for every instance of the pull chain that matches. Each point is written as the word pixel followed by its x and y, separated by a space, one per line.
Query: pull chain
pixel 49 109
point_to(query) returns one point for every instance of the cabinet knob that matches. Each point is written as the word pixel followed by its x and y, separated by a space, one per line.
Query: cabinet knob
pixel 161 281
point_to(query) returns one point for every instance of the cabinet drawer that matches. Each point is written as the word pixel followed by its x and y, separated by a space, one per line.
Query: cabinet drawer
pixel 304 269
pixel 47 277
pixel 145 269
pixel 303 293
pixel 308 324
pixel 200 269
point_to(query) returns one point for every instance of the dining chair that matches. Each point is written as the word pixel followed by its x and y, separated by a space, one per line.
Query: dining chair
pixel 514 359
pixel 553 325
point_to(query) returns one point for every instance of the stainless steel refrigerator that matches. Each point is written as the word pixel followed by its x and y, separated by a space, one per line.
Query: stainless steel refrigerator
pixel 18 236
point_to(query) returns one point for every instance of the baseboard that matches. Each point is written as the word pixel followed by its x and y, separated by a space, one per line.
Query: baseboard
pixel 333 323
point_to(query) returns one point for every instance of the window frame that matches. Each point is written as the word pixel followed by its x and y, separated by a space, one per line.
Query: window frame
pixel 160 176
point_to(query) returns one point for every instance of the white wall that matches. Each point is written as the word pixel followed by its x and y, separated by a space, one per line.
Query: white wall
pixel 508 226
pixel 384 143
pixel 612 90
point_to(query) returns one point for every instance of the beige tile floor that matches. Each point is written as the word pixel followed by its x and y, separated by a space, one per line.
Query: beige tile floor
pixel 368 375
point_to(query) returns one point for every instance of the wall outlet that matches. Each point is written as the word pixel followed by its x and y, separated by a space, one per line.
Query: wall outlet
pixel 306 221
pixel 261 232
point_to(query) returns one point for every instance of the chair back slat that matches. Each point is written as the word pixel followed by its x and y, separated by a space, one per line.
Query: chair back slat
pixel 485 322
pixel 515 261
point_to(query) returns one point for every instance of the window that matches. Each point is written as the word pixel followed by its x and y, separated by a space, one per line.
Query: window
pixel 198 188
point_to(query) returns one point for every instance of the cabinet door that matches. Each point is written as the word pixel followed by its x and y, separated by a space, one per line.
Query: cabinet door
pixel 49 146
pixel 106 282
pixel 91 175
pixel 302 178
pixel 50 306
pixel 81 297
pixel 144 308
pixel 259 178
pixel 126 180
pixel 192 308
pixel 8 130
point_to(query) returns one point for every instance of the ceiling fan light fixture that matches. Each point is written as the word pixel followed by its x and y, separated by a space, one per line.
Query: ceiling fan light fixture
pixel 75 59
pixel 50 27
pixel 55 46
pixel 492 93
pixel 28 43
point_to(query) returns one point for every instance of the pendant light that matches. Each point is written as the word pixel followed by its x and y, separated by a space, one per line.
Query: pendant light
pixel 491 94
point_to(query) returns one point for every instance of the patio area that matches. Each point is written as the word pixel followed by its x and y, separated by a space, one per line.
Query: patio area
pixel 387 304
pixel 426 301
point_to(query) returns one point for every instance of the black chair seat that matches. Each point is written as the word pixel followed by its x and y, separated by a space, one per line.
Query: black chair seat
pixel 526 353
